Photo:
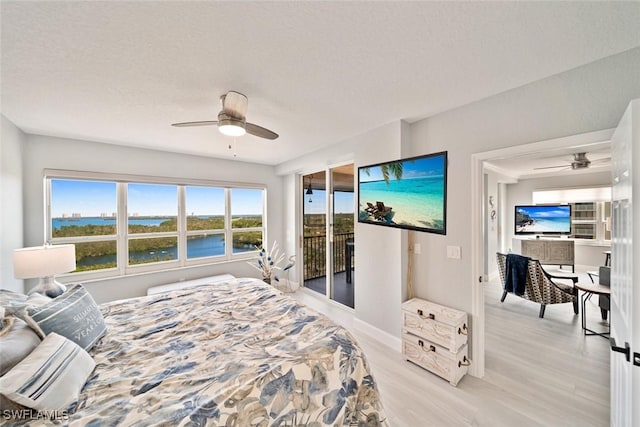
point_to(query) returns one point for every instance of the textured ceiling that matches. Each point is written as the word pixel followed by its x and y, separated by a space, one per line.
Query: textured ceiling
pixel 315 72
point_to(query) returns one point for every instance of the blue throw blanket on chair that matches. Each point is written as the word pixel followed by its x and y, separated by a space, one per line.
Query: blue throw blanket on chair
pixel 515 275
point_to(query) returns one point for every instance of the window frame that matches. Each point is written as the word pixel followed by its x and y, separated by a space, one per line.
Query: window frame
pixel 122 236
pixel 599 222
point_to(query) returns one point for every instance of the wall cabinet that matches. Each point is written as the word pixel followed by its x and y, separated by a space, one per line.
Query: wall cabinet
pixel 435 338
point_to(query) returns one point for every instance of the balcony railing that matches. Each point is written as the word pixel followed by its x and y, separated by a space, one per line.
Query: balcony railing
pixel 315 260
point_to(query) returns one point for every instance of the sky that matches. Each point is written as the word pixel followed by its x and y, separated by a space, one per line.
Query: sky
pixel 416 168
pixel 92 198
pixel 343 202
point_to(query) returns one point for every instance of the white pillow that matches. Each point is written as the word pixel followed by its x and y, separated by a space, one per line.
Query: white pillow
pixel 51 377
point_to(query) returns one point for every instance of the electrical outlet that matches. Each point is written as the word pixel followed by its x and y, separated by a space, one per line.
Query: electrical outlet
pixel 453 252
pixel 417 248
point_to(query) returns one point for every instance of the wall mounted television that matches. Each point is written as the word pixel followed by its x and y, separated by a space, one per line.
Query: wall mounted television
pixel 542 219
pixel 408 193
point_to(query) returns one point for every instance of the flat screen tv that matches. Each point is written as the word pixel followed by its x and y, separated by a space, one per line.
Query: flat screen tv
pixel 543 219
pixel 408 193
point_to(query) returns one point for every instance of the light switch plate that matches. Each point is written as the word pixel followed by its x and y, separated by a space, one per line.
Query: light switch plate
pixel 453 252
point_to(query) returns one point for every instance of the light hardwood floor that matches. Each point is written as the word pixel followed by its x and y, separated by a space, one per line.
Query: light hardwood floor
pixel 539 372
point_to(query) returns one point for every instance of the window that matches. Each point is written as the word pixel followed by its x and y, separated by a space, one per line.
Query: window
pixel 152 223
pixel 246 219
pixel 205 207
pixel 591 221
pixel 122 227
pixel 84 213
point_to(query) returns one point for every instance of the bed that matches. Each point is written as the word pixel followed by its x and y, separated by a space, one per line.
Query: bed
pixel 237 353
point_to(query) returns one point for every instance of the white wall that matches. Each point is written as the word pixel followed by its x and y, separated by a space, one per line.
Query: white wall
pixel 496 235
pixel 43 152
pixel 493 229
pixel 11 147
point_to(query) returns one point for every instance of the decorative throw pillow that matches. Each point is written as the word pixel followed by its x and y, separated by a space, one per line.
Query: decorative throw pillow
pixel 51 377
pixel 16 344
pixel 8 297
pixel 15 303
pixel 74 315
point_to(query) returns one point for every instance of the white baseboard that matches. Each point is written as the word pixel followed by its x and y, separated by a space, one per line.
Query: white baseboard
pixel 394 343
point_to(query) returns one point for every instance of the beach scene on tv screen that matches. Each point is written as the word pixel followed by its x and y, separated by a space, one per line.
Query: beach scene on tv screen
pixel 404 193
pixel 540 219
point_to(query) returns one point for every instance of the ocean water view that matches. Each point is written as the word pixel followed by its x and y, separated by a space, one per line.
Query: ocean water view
pixel 197 247
pixel 416 202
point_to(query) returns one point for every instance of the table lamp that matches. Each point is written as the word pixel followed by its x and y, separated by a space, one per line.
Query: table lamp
pixel 44 262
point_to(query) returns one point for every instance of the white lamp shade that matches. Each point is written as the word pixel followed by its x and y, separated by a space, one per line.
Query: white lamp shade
pixel 43 261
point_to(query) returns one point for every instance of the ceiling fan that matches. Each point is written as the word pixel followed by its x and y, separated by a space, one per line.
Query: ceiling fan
pixel 232 120
pixel 580 161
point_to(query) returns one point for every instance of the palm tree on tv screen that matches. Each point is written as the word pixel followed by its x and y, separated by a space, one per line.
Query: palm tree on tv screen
pixel 387 169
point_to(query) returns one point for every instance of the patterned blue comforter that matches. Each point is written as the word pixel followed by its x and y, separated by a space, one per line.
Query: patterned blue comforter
pixel 232 354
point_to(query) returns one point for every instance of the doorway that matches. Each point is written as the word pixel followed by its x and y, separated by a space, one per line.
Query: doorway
pixel 328 239
pixel 481 208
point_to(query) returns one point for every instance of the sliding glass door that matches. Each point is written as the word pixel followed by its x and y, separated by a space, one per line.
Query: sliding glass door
pixel 314 231
pixel 328 246
pixel 343 237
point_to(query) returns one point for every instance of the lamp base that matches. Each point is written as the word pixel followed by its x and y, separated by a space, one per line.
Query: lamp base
pixel 48 286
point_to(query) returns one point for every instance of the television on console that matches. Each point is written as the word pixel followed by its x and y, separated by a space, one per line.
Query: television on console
pixel 542 219
pixel 407 193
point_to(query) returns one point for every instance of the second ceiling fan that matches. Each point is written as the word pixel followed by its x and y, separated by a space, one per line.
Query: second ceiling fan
pixel 580 161
pixel 232 119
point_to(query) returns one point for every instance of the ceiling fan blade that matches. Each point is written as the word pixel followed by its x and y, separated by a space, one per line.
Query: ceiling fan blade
pixel 260 131
pixel 202 123
pixel 235 104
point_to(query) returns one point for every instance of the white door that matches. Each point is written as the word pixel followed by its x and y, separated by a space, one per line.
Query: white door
pixel 625 271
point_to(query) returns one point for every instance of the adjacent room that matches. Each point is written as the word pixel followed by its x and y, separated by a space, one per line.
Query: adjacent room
pixel 319 213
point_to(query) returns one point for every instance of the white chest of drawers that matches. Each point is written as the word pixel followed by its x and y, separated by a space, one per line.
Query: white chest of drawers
pixel 435 338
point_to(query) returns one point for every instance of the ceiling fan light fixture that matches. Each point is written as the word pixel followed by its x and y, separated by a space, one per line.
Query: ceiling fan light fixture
pixel 231 128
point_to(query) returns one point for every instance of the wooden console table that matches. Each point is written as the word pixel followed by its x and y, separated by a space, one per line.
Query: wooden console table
pixel 551 251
